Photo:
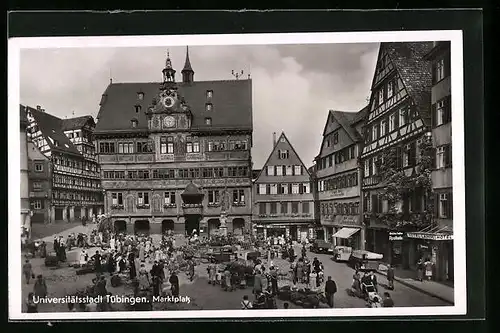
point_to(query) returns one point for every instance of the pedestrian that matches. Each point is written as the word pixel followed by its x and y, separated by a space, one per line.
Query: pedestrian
pixel 330 290
pixel 390 277
pixel 274 280
pixel 111 263
pixel 212 271
pixel 388 302
pixel 257 285
pixel 97 261
pixel 28 271
pixel 264 280
pixel 313 280
pixel 40 287
pixel 144 281
pixel 174 281
pixel 246 304
pixel 428 265
pixel 83 257
pixel 71 307
pixel 31 306
pixel 420 269
pixel 300 270
pixel 316 265
pixel 227 280
pixel 132 268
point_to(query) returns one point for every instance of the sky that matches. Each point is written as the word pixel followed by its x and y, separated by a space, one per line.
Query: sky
pixel 294 86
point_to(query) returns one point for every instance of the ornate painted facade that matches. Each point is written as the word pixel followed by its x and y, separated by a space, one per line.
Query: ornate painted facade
pixel 398 122
pixel 176 155
pixel 338 179
pixel 283 198
pixel 74 191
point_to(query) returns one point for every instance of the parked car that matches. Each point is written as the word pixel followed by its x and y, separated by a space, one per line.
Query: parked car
pixel 365 260
pixel 321 246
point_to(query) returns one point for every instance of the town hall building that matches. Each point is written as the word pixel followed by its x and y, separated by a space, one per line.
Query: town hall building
pixel 176 155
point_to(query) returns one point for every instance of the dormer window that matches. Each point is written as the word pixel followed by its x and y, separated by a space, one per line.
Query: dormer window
pixel 208 121
pixel 208 107
pixel 134 123
pixel 210 93
pixel 138 108
pixel 140 96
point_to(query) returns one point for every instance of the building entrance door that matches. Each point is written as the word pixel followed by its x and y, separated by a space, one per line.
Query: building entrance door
pixel 141 227
pixel 192 223
pixel 120 226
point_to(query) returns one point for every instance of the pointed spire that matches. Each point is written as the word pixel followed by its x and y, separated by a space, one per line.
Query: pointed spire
pixel 168 62
pixel 187 71
pixel 168 71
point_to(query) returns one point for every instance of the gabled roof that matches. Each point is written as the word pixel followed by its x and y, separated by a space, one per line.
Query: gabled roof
pixel 414 71
pixel 76 123
pixel 51 128
pixel 231 100
pixel 345 120
pixel 273 151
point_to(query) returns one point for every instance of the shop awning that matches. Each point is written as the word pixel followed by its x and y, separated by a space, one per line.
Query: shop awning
pixel 432 233
pixel 345 232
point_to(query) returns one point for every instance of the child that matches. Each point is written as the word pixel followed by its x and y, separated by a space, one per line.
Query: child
pixel 246 304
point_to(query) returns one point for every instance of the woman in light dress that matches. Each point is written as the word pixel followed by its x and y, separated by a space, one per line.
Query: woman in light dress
pixel 112 243
pixel 312 280
pixel 143 278
pixel 141 252
pixel 147 248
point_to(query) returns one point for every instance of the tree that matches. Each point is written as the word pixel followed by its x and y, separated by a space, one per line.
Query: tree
pixel 399 187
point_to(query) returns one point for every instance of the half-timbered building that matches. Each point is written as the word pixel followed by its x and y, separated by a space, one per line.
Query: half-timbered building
pixel 397 127
pixel 176 155
pixel 283 200
pixel 338 179
pixel 75 190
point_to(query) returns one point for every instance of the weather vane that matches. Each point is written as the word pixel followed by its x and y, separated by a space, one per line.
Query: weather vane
pixel 236 75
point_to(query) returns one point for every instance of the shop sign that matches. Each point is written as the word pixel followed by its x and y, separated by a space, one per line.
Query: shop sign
pixel 396 236
pixel 347 220
pixel 434 237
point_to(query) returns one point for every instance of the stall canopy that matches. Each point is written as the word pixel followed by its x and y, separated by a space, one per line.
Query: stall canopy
pixel 345 232
pixel 433 233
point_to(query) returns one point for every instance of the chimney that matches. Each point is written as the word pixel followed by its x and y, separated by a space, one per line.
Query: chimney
pixel 38 107
pixel 274 139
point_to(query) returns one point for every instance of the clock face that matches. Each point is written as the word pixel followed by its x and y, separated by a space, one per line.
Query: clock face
pixel 169 121
pixel 168 102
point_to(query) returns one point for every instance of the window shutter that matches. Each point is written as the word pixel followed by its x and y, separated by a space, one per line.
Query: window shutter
pixel 448 109
pixel 268 189
pixel 436 205
pixel 267 173
pixel 433 115
pixel 450 205
pixel 447 63
pixel 398 157
pixel 374 203
pixel 396 113
pixel 386 125
pixel 447 156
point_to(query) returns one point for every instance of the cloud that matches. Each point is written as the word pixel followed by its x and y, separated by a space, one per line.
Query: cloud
pixel 294 86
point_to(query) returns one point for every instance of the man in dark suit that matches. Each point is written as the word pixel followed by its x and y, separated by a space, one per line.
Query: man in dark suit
pixel 330 290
